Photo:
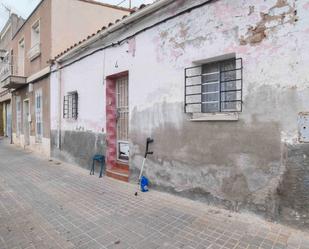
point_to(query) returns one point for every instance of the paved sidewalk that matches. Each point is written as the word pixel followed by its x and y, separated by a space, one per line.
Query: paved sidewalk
pixel 45 204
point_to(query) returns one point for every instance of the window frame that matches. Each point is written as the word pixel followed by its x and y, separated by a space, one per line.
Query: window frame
pixel 221 83
pixel 21 62
pixel 197 75
pixel 70 105
pixel 36 25
pixel 38 115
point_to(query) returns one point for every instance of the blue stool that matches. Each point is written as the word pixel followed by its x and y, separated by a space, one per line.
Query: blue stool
pixel 99 159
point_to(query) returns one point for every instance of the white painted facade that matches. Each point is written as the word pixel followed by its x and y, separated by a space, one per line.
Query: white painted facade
pixel 242 162
pixel 92 119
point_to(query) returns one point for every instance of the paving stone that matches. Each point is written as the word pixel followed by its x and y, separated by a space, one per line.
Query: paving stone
pixel 44 205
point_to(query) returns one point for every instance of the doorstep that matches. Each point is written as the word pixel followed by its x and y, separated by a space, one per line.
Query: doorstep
pixel 120 172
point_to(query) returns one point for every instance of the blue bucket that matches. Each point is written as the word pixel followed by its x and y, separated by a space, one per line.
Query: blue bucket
pixel 144 184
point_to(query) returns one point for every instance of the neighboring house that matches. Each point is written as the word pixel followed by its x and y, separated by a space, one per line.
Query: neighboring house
pixel 8 31
pixel 52 26
pixel 221 86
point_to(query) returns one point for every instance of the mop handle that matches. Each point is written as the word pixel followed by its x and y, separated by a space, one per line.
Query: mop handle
pixel 140 174
pixel 148 141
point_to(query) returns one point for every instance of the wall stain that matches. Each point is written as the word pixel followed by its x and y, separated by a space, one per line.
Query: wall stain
pixel 294 187
pixel 232 162
pixel 233 165
pixel 78 147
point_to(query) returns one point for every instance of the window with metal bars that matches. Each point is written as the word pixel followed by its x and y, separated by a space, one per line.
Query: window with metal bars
pixel 70 105
pixel 214 87
pixel 38 115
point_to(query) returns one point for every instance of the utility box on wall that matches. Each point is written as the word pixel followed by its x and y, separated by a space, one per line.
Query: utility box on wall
pixel 303 127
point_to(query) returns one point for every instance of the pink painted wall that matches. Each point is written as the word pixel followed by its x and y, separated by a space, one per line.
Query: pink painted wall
pixel 111 151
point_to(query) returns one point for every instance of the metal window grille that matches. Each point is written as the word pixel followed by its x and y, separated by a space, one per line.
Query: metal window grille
pixel 38 115
pixel 122 101
pixel 70 105
pixel 214 87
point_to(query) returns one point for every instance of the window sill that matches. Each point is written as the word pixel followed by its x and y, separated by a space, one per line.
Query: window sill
pixel 33 56
pixel 199 117
pixel 34 52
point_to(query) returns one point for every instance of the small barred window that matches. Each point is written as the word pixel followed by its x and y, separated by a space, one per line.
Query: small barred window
pixel 214 87
pixel 70 105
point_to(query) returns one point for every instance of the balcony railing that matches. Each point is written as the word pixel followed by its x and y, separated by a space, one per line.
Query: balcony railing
pixel 6 70
pixel 10 76
pixel 35 51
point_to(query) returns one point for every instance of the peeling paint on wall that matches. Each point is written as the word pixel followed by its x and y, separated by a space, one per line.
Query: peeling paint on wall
pixel 279 14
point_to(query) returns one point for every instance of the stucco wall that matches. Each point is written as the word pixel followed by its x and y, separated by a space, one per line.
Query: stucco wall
pixel 73 20
pixel 242 165
pixel 43 14
pixel 42 147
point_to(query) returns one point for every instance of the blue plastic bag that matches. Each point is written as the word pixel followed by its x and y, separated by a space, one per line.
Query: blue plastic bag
pixel 144 184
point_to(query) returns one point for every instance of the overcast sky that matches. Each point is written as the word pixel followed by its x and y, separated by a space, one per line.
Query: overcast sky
pixel 25 7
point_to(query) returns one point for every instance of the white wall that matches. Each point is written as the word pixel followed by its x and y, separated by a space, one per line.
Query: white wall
pixel 87 79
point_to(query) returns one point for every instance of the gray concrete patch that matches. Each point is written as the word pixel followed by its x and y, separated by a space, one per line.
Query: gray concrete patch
pixel 294 189
pixel 78 147
pixel 233 165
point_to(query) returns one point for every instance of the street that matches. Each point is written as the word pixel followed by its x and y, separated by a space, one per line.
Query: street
pixel 49 204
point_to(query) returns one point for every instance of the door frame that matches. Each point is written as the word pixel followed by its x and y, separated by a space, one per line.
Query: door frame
pixel 111 121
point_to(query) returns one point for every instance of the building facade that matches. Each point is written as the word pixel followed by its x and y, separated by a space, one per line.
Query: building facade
pixel 221 87
pixel 49 29
pixel 8 31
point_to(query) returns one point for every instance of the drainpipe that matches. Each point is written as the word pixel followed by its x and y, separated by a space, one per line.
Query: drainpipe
pixel 59 107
